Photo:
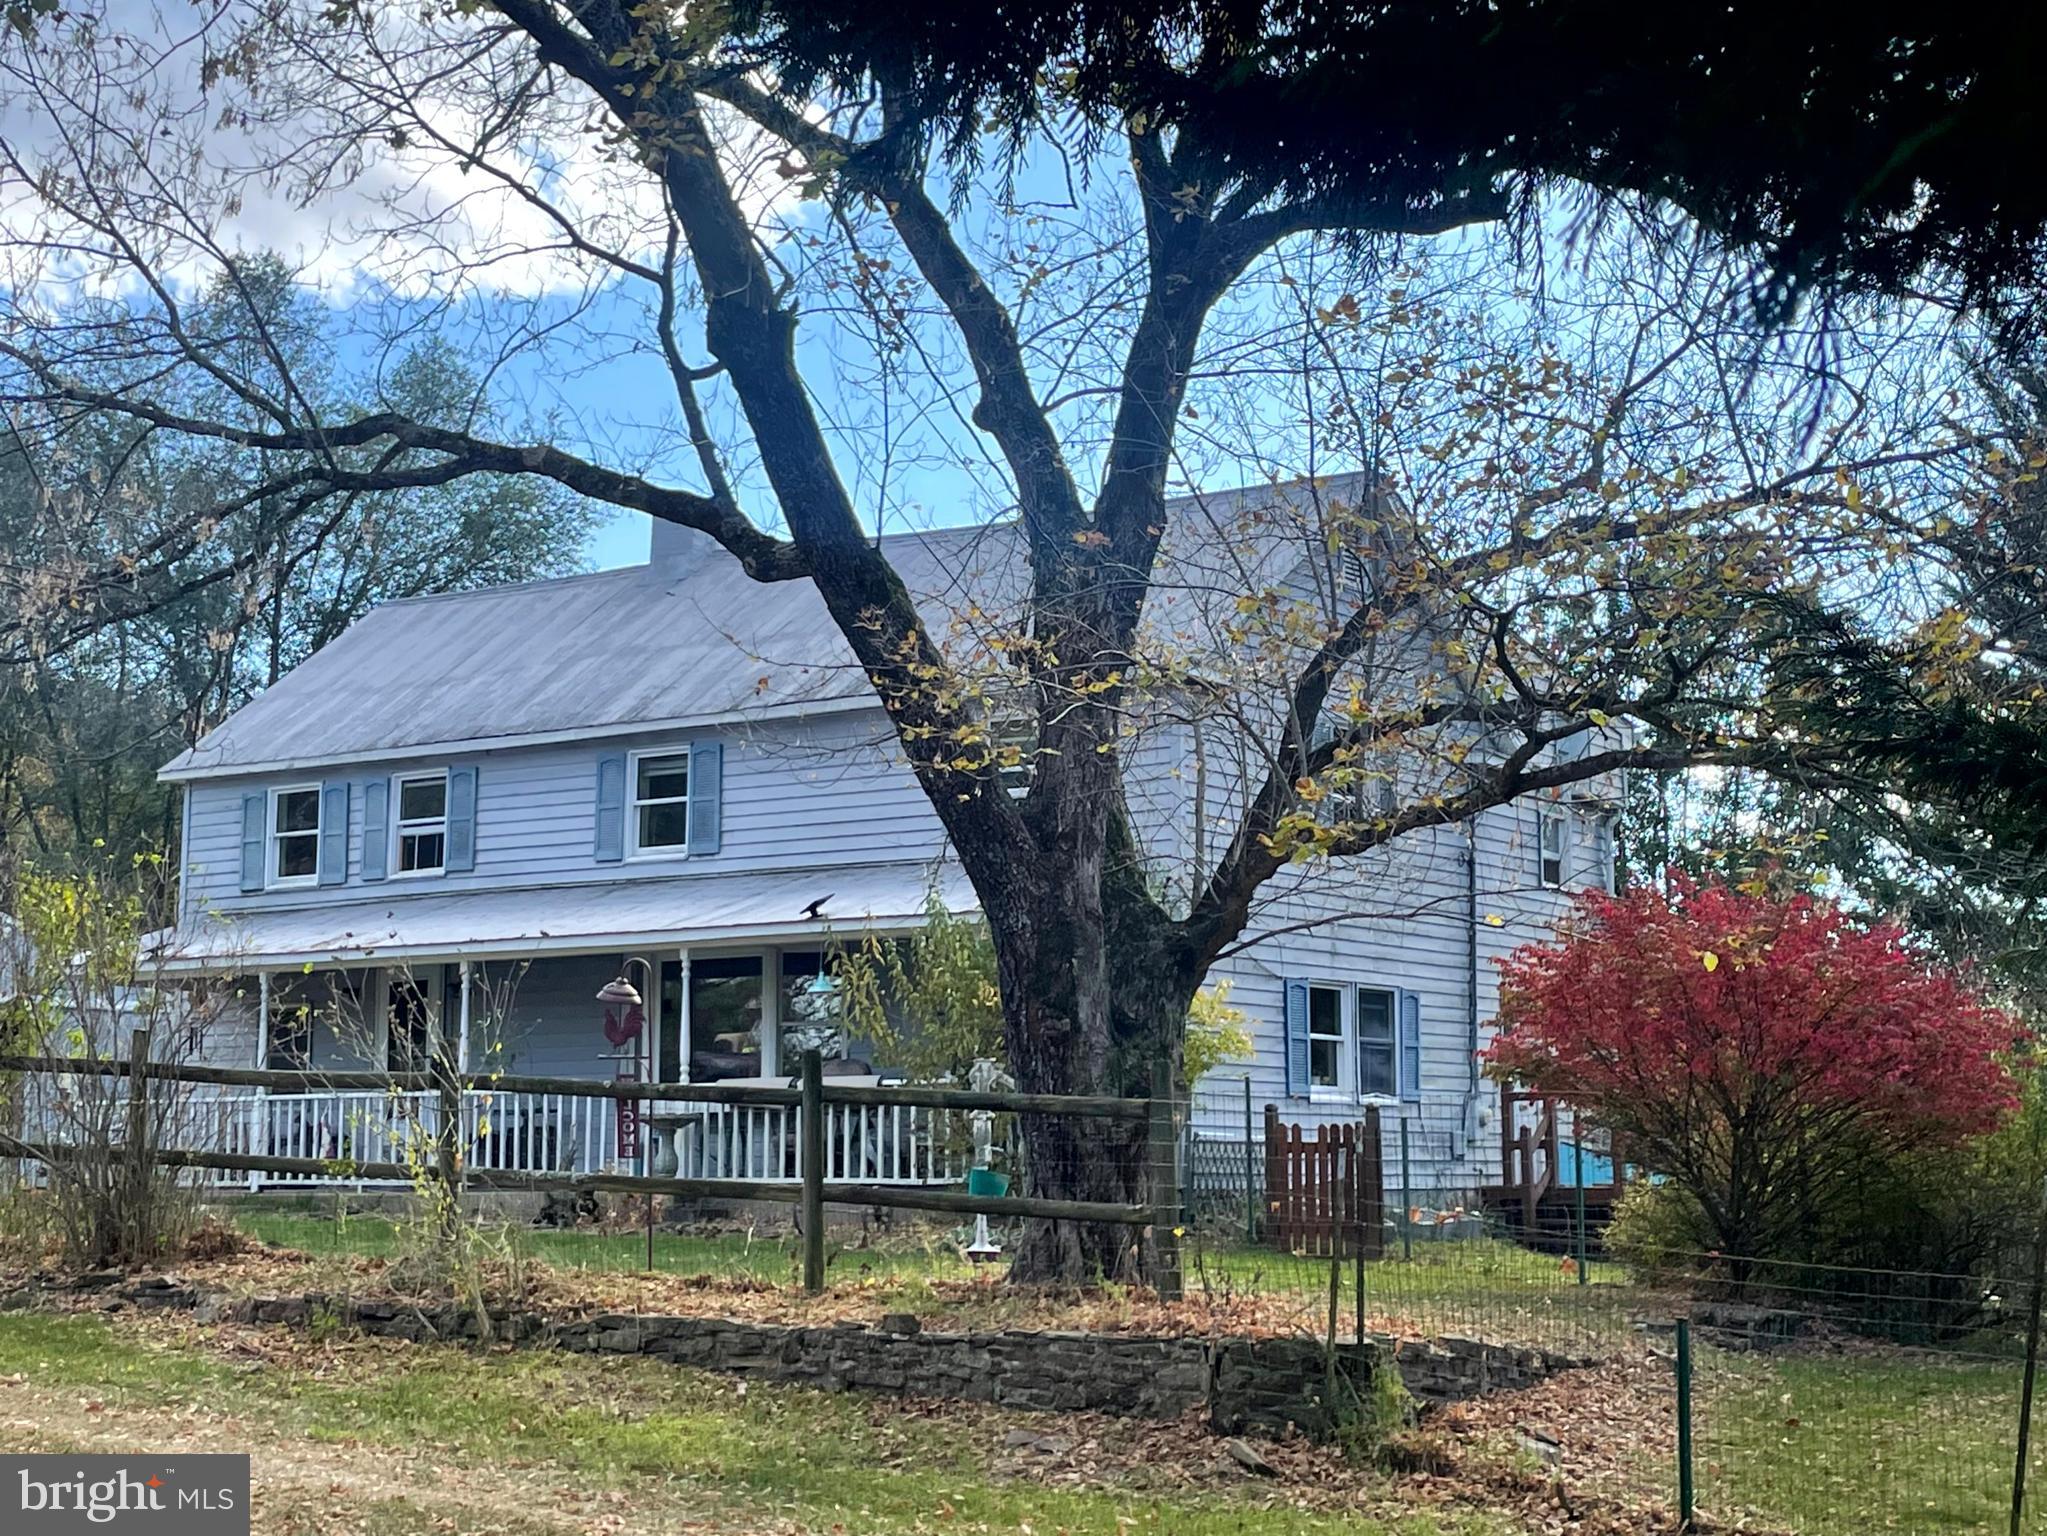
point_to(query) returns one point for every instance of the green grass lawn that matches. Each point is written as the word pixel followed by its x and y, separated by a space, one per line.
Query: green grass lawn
pixel 663 1446
pixel 1481 1288
pixel 1463 1283
pixel 1840 1445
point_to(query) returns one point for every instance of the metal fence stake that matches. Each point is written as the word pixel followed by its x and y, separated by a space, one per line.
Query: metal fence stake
pixel 1406 1196
pixel 1684 1423
pixel 810 1133
pixel 2025 1436
pixel 1578 1157
pixel 1358 1281
pixel 1165 1172
pixel 1250 1171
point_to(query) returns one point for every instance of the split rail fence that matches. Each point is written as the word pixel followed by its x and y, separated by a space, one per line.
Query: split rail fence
pixel 439 1156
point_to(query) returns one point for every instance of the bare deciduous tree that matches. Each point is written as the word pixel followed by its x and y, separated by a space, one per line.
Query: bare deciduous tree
pixel 1494 525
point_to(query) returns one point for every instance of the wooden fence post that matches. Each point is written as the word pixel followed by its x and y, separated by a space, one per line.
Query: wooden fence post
pixel 1273 1225
pixel 1165 1173
pixel 138 1094
pixel 810 1142
pixel 140 1164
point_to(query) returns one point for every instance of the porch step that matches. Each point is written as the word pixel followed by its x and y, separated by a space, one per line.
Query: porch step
pixel 1556 1216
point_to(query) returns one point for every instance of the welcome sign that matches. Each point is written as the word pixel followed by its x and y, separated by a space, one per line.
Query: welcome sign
pixel 124 1495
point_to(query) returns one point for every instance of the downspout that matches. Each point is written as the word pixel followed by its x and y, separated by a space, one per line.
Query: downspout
pixel 1471 981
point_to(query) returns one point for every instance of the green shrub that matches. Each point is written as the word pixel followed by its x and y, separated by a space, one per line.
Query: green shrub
pixel 1658 1231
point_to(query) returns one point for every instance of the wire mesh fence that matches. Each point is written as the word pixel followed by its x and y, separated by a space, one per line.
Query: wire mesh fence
pixel 1813 1398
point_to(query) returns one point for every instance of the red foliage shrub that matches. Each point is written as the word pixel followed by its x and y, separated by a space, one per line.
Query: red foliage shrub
pixel 1756 1050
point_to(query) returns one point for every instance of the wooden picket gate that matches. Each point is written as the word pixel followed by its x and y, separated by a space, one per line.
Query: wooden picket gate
pixel 1325 1191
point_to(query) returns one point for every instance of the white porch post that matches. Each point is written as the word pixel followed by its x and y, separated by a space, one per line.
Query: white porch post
pixel 771 1013
pixel 681 1015
pixel 259 1113
pixel 462 1041
pixel 262 1020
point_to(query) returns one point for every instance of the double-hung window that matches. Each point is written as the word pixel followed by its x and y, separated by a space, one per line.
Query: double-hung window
pixel 1325 1039
pixel 295 835
pixel 1378 1044
pixel 421 826
pixel 1551 840
pixel 659 813
pixel 1349 1038
pixel 1013 750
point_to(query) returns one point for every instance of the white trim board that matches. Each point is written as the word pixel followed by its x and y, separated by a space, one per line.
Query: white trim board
pixel 180 771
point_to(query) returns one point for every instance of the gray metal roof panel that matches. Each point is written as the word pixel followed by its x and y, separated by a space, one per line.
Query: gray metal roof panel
pixel 680 641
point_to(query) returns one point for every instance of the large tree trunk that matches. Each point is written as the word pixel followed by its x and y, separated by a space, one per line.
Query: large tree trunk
pixel 1095 994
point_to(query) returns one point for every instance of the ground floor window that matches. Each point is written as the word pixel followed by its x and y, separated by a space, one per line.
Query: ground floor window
pixel 722 1036
pixel 290 1047
pixel 1349 1039
pixel 409 1025
pixel 317 1016
pixel 1378 1057
pixel 1325 1037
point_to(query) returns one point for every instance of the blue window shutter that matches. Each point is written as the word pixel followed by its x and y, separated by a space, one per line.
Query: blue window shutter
pixel 1411 1047
pixel 255 839
pixel 376 827
pixel 706 796
pixel 611 808
pixel 459 853
pixel 334 832
pixel 1296 1039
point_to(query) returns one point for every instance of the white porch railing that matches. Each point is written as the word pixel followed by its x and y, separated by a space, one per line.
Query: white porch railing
pixel 525 1133
pixel 864 1144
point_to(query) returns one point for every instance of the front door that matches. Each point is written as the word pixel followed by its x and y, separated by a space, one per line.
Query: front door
pixel 412 1007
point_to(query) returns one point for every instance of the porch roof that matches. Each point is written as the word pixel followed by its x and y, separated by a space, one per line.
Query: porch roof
pixel 599 918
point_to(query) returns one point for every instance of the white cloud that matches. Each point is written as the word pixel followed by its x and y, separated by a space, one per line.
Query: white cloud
pixel 353 154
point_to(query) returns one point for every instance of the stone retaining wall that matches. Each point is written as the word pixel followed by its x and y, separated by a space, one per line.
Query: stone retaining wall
pixel 1268 1386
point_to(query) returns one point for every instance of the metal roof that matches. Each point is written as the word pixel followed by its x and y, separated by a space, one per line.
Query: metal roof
pixel 566 919
pixel 690 640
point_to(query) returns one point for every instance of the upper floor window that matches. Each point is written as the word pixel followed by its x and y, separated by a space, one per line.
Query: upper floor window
pixel 295 835
pixel 1013 748
pixel 422 823
pixel 659 814
pixel 1550 844
pixel 1603 831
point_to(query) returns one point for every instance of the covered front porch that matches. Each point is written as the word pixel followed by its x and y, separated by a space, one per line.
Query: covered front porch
pixel 716 1007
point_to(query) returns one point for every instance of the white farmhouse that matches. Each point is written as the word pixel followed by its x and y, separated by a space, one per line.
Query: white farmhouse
pixel 469 813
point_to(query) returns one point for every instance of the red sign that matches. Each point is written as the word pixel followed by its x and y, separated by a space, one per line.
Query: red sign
pixel 628 1129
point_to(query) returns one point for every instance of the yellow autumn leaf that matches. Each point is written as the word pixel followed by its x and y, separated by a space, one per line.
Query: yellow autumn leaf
pixel 1711 961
